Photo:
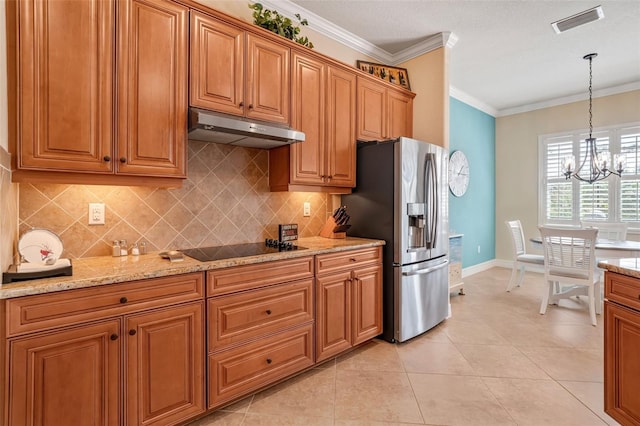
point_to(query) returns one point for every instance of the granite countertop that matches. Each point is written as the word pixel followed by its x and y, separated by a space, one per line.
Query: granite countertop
pixel 626 266
pixel 95 271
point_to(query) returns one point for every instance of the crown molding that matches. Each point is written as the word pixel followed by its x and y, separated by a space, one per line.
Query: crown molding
pixel 569 99
pixel 339 34
pixel 471 101
pixel 329 29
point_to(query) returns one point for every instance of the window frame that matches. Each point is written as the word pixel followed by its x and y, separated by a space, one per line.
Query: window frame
pixel 614 134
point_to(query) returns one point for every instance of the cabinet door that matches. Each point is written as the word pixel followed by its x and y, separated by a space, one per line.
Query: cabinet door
pixel 217 65
pixel 268 80
pixel 341 128
pixel 69 377
pixel 65 85
pixel 367 303
pixel 152 88
pixel 308 115
pixel 333 315
pixel 372 110
pixel 164 372
pixel 622 364
pixel 400 108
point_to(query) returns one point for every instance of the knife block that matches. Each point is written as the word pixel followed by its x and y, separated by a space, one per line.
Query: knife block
pixel 329 226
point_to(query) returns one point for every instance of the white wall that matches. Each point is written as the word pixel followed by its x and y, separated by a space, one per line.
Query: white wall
pixel 517 155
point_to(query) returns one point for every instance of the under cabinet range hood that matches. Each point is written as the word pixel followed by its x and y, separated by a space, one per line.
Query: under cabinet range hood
pixel 210 126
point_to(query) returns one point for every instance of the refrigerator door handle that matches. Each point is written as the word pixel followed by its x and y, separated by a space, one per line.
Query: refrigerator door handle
pixel 426 270
pixel 431 199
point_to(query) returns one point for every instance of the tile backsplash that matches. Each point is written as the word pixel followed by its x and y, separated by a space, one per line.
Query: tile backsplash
pixel 9 213
pixel 224 200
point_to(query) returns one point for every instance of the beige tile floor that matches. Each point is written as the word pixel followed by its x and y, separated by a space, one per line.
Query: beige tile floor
pixel 496 361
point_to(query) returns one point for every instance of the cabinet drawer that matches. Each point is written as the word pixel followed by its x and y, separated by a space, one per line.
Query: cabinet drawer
pixel 623 290
pixel 256 313
pixel 237 278
pixel 244 369
pixel 44 311
pixel 329 263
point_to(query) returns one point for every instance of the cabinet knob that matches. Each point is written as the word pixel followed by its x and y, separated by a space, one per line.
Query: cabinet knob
pixel 106 158
pixel 269 361
pixel 123 300
pixel 268 311
pixel 123 160
pixel 250 106
pixel 241 104
pixel 113 336
pixel 132 332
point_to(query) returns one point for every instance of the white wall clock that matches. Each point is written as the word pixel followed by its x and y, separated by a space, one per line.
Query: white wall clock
pixel 458 173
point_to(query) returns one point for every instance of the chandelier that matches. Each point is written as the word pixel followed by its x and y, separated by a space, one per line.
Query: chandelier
pixel 597 166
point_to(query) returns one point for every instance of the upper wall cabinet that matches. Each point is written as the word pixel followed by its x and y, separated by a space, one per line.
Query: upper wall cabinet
pixel 324 108
pixel 236 72
pixel 383 112
pixel 66 93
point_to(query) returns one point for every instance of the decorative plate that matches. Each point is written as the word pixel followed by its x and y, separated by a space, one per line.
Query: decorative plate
pixel 40 246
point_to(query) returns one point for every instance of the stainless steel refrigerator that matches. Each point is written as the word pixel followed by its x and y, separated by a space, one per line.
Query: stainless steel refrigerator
pixel 401 197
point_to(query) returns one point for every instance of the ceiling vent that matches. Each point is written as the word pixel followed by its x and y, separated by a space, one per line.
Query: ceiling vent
pixel 578 19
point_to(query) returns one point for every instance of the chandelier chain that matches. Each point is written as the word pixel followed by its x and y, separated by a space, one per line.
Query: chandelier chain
pixel 590 96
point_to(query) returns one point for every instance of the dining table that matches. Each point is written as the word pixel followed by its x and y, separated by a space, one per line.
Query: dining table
pixel 606 249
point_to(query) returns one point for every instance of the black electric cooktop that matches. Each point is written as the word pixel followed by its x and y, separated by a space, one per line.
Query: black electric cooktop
pixel 207 254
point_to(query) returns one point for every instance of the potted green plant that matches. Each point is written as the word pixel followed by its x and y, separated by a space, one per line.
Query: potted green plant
pixel 274 22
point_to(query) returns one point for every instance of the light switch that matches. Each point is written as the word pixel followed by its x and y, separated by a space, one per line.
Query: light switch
pixel 306 209
pixel 96 213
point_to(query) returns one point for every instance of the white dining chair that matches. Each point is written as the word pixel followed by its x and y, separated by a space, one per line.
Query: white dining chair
pixel 570 267
pixel 521 259
pixel 616 231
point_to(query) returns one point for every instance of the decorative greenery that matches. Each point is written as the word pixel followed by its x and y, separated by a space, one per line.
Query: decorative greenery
pixel 274 22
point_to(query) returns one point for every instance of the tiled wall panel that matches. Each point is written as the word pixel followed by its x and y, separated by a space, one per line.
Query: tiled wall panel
pixel 225 200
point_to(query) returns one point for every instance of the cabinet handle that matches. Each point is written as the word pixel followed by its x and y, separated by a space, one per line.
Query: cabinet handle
pixel 268 311
pixel 113 336
pixel 123 300
pixel 106 158
pixel 123 160
pixel 269 361
pixel 132 332
pixel 353 259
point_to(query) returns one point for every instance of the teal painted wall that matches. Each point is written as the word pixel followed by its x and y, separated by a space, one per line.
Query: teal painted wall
pixel 474 133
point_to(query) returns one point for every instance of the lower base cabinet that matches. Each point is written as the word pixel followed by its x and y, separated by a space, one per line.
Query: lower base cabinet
pixel 68 377
pixel 239 371
pixel 622 348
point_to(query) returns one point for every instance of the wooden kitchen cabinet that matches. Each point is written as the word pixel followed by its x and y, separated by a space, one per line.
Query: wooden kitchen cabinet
pixel 324 108
pixel 260 326
pixel 348 300
pixel 99 89
pixel 621 348
pixel 86 356
pixel 68 377
pixel 383 112
pixel 237 72
pixel 164 370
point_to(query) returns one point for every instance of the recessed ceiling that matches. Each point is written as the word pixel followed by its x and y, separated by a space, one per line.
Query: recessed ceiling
pixel 507 56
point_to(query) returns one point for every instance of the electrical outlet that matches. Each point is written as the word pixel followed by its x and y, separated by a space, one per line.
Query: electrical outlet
pixel 306 210
pixel 96 213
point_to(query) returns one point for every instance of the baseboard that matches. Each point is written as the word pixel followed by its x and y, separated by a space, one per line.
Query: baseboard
pixel 499 263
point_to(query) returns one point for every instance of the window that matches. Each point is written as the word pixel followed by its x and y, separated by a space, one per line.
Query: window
pixel 567 202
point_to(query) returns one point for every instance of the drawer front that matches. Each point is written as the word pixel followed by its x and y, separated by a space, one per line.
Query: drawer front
pixel 244 369
pixel 623 290
pixel 44 311
pixel 248 277
pixel 256 313
pixel 330 263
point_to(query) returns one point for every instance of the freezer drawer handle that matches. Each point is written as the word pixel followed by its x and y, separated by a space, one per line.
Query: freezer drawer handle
pixel 427 270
